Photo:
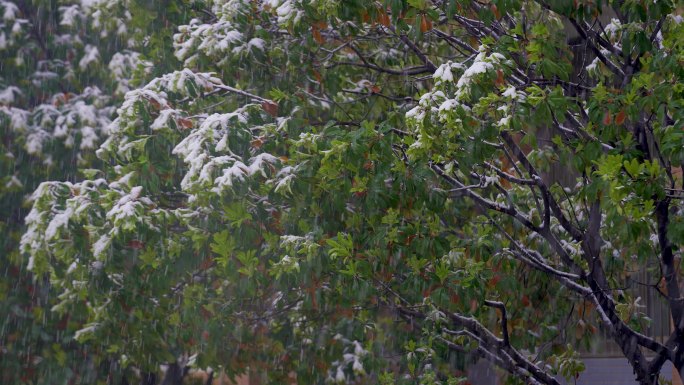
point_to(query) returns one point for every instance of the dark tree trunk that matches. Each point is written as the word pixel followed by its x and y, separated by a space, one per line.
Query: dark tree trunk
pixel 210 378
pixel 148 379
pixel 174 375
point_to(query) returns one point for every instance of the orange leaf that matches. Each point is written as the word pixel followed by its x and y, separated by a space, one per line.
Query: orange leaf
pixel 257 143
pixel 155 104
pixel 317 34
pixel 607 118
pixel 270 107
pixel 473 305
pixel 455 298
pixel 206 263
pixel 185 123
pixel 365 17
pixel 525 300
pixel 496 12
pixel 135 244
pixel 620 117
pixel 492 282
pixel 383 18
pixel 425 24
pixel 318 76
pixel 206 314
pixel 499 78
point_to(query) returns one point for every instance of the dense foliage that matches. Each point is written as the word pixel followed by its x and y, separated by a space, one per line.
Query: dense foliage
pixel 369 192
pixel 65 68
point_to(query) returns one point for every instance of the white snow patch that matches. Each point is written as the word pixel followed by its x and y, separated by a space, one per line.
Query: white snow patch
pixel 91 55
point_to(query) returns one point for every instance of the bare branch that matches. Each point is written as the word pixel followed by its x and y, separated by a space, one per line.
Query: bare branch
pixel 402 72
pixel 455 40
pixel 243 93
pixel 421 55
pixel 509 177
pixel 550 202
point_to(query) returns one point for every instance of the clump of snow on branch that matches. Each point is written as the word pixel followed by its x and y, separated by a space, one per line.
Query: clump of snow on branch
pixel 220 39
pixel 351 359
pixel 12 27
pixel 122 66
pixel 127 132
pixel 74 120
pixel 212 163
pixel 287 11
pixel 446 74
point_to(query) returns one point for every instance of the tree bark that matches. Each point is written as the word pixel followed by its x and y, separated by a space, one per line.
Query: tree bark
pixel 174 375
pixel 148 379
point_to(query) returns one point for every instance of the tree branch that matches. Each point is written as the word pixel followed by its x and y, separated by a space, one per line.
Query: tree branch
pixel 402 72
pixel 504 319
pixel 550 202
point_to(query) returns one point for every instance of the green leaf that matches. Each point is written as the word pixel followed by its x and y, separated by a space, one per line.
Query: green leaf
pixel 223 245
pixel 340 247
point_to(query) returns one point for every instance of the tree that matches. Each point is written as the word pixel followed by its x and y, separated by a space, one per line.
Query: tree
pixel 331 191
pixel 65 68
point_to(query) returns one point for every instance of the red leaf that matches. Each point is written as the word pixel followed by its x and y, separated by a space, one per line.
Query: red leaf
pixel 270 107
pixel 383 18
pixel 257 143
pixel 185 123
pixel 455 298
pixel 207 263
pixel 473 305
pixel 318 76
pixel 425 24
pixel 525 300
pixel 206 314
pixel 365 17
pixel 620 118
pixel 317 34
pixel 496 12
pixel 499 78
pixel 607 118
pixel 154 104
pixel 135 244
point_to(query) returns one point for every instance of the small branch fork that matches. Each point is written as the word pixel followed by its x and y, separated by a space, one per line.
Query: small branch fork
pixel 498 351
pixel 504 318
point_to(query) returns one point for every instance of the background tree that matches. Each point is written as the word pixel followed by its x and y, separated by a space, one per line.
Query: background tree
pixel 325 185
pixel 65 68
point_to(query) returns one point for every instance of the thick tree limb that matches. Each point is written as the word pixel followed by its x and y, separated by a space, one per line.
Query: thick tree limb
pixel 455 40
pixel 421 55
pixel 668 266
